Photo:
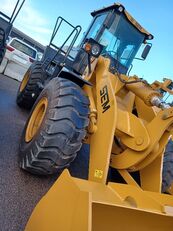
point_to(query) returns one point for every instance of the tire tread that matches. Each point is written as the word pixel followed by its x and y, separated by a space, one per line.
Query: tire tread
pixel 63 130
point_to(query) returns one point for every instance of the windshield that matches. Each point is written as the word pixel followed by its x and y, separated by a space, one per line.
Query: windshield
pixel 121 41
pixel 98 23
pixel 23 48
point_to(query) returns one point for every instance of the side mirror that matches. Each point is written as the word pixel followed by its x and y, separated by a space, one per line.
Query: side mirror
pixel 146 51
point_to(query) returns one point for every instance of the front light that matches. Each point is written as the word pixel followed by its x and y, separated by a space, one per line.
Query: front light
pixel 95 50
pixel 120 8
pixel 87 47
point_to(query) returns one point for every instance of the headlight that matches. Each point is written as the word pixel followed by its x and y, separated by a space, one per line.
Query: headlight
pixel 95 50
pixel 120 8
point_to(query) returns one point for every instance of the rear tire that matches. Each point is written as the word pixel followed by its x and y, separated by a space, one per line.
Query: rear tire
pixel 2 53
pixel 167 174
pixel 30 89
pixel 59 137
pixel 2 45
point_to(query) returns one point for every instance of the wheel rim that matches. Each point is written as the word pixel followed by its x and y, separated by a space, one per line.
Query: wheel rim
pixel 36 119
pixel 24 81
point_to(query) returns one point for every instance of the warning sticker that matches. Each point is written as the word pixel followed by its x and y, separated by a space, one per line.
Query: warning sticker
pixel 98 173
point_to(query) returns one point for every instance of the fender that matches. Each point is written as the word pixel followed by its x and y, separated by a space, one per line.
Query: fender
pixel 74 77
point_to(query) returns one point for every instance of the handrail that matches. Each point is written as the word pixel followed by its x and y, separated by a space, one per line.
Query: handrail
pixel 76 31
pixel 4 15
pixel 15 12
pixel 57 26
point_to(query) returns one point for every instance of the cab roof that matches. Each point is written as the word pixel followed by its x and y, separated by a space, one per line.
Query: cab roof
pixel 120 8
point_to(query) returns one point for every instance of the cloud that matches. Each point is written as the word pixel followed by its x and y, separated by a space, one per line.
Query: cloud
pixel 29 20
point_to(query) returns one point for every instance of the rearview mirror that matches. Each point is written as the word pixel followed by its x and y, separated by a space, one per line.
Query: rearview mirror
pixel 146 51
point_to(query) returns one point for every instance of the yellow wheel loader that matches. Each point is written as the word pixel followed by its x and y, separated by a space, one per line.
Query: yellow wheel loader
pixel 126 124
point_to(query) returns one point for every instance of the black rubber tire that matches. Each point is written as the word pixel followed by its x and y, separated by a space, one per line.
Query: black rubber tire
pixel 2 44
pixel 27 97
pixel 2 54
pixel 63 128
pixel 167 174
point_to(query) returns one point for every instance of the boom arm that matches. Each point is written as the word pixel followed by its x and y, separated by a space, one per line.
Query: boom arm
pixel 125 111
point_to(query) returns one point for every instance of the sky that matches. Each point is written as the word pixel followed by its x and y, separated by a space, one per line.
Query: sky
pixel 37 19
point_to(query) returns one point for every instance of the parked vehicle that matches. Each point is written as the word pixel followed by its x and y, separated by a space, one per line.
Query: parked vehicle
pixel 18 58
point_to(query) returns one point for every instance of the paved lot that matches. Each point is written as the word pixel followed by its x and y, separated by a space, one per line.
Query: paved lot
pixel 20 191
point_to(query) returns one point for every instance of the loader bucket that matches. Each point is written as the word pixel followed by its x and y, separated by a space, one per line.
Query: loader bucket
pixel 79 205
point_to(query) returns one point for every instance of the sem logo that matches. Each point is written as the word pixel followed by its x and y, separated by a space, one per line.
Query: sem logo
pixel 104 98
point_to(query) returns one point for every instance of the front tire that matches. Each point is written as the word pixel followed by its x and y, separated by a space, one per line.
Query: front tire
pixel 167 174
pixel 30 89
pixel 55 129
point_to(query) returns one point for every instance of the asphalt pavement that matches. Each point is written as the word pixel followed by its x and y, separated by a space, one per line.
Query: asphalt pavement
pixel 19 190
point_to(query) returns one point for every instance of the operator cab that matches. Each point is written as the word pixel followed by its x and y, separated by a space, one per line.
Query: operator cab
pixel 119 34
